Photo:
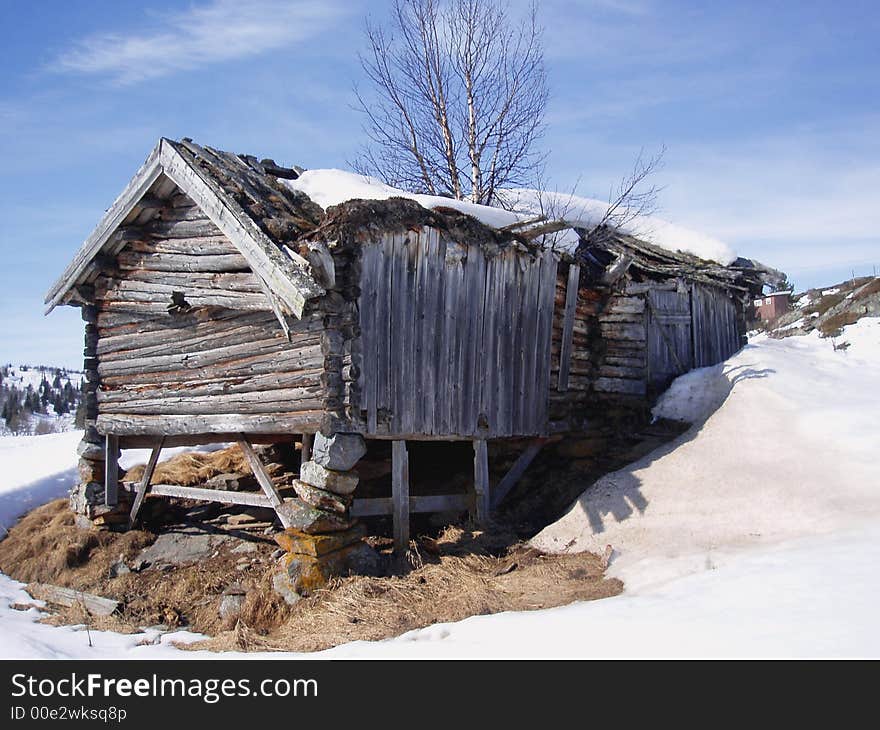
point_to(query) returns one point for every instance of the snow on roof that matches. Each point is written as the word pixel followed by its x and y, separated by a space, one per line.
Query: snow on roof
pixel 332 187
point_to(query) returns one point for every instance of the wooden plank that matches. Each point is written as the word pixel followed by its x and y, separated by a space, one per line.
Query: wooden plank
pixel 111 470
pixel 188 387
pixel 489 376
pixel 138 425
pixel 571 291
pixel 128 261
pixel 263 479
pixel 139 185
pixel 306 450
pixel 95 605
pixel 250 499
pixel 509 481
pixel 400 495
pixel 144 485
pixel 372 507
pixel 268 401
pixel 289 279
pixel 430 328
pixel 148 442
pixel 481 480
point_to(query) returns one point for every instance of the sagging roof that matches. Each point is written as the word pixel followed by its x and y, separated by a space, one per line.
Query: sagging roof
pixel 255 203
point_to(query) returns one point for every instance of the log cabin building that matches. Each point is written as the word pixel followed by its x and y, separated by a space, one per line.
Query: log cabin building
pixel 220 305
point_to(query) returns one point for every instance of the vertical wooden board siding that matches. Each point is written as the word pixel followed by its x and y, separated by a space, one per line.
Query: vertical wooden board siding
pixel 383 272
pixel 371 262
pixel 489 385
pixel 571 292
pixel 471 373
pixel 430 327
pixel 670 347
pixel 544 339
pixel 468 336
pixel 715 333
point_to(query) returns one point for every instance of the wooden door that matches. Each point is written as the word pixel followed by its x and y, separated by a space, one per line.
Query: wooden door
pixel 670 348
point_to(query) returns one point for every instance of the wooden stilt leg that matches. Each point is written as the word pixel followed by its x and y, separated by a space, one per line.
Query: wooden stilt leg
pixel 263 478
pixel 400 495
pixel 306 452
pixel 144 486
pixel 111 470
pixel 481 480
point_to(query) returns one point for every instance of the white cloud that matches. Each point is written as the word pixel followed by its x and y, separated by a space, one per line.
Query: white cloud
pixel 222 30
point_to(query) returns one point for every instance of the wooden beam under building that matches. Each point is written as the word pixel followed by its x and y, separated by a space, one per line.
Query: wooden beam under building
pixel 400 495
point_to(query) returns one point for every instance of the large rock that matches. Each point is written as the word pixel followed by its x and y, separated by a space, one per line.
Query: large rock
pixel 183 546
pixel 301 575
pixel 88 450
pixel 296 541
pixel 339 452
pixel 90 471
pixel 321 477
pixel 321 498
pixel 306 518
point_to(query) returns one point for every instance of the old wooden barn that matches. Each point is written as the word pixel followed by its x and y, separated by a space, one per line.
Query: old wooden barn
pixel 222 305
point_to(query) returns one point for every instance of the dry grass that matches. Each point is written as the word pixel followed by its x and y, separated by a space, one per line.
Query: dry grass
pixel 46 547
pixel 192 467
pixel 456 575
pixel 450 585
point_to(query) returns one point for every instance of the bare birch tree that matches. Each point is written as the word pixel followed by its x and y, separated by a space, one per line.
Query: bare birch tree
pixel 459 98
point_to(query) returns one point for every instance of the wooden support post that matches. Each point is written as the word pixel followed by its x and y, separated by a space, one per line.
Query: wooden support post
pixel 571 292
pixel 510 479
pixel 263 478
pixel 306 451
pixel 111 470
pixel 400 495
pixel 481 480
pixel 144 486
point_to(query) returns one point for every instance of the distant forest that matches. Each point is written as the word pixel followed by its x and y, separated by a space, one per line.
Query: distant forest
pixel 39 399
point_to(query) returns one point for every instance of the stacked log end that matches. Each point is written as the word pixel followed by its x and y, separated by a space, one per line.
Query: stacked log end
pixel 87 495
pixel 322 539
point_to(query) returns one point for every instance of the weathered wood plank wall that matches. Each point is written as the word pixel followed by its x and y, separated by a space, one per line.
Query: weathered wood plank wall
pixel 454 340
pixel 716 333
pixel 220 362
pixel 670 349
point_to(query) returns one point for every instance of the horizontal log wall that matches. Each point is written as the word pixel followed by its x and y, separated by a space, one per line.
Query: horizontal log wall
pixel 220 363
pixel 608 362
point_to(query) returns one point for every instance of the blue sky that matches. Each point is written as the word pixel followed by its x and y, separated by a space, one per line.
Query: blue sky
pixel 770 112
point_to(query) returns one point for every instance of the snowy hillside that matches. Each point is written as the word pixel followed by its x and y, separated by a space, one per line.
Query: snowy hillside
pixel 38 399
pixel 755 533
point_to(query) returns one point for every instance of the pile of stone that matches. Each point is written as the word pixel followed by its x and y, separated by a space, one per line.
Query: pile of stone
pixel 323 540
pixel 87 495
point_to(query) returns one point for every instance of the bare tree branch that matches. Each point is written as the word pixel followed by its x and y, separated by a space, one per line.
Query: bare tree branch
pixel 458 98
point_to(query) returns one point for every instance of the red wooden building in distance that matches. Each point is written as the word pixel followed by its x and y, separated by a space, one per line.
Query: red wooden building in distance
pixel 772 306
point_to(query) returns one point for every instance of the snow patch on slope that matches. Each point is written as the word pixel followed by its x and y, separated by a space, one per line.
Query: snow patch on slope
pixel 790 452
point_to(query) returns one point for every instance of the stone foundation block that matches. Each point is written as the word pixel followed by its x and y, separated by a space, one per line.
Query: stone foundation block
pixel 320 498
pixel 339 452
pixel 296 541
pixel 321 477
pixel 301 575
pixel 306 518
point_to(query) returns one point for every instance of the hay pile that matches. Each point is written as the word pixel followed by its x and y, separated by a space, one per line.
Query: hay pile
pixel 194 467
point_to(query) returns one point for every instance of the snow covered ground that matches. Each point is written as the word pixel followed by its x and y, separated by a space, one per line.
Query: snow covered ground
pixel 756 533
